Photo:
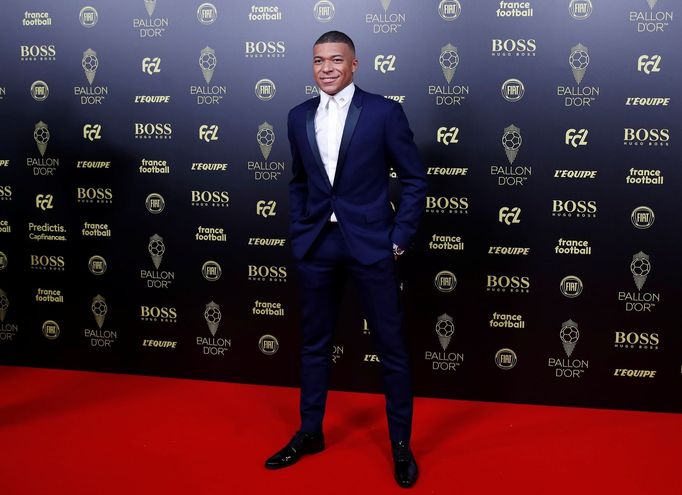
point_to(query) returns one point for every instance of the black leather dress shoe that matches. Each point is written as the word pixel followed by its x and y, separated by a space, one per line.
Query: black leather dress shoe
pixel 406 471
pixel 301 444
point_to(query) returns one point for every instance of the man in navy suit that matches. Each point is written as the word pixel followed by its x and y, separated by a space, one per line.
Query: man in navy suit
pixel 343 145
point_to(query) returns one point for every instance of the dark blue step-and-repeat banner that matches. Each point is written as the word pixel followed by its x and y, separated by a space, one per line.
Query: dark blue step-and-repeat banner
pixel 143 191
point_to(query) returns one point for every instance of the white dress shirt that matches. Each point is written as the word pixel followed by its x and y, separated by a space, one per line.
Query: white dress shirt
pixel 330 119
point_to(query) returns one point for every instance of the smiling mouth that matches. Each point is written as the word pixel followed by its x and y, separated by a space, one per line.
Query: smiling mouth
pixel 328 79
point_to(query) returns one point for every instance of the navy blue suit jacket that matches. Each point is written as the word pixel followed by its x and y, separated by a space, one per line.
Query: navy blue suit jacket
pixel 376 137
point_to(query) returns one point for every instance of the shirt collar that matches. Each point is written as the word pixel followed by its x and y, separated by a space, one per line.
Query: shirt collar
pixel 343 97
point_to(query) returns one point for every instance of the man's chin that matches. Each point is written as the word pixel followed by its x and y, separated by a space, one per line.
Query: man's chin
pixel 331 88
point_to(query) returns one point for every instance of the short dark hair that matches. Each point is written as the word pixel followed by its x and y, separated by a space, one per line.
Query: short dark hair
pixel 336 37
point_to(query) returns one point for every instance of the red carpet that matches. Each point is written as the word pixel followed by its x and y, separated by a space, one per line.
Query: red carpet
pixel 64 432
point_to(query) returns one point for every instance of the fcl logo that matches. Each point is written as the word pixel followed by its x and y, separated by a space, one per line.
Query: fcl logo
pixel 576 137
pixel 649 64
pixel 266 208
pixel 208 133
pixel 384 64
pixel 91 132
pixel 151 66
pixel 447 136
pixel 509 216
pixel 44 201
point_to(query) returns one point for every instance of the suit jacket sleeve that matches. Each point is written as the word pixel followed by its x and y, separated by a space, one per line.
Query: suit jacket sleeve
pixel 298 185
pixel 404 158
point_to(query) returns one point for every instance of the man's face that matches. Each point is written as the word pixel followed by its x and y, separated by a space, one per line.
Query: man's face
pixel 333 66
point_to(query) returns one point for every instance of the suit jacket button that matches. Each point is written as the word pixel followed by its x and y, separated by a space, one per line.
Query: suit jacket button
pixel 334 197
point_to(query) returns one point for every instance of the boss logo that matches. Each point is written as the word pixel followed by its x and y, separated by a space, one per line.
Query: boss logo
pixel 208 133
pixel 649 64
pixel 91 132
pixel 384 64
pixel 94 194
pixel 264 48
pixel 640 339
pixel 504 283
pixel 447 136
pixel 151 66
pixel 270 273
pixel 509 216
pixel 5 193
pixel 151 130
pixel 38 52
pixel 653 137
pixel 519 47
pixel 44 201
pixel 210 198
pixel 569 207
pixel 155 313
pixel 47 262
pixel 444 202
pixel 576 137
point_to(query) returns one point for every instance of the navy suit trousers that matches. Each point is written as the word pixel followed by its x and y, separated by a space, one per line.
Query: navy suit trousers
pixel 323 272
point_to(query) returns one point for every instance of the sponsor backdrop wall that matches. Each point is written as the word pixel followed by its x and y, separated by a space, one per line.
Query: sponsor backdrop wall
pixel 143 191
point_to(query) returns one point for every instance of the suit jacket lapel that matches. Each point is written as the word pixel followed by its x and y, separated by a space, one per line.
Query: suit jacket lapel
pixel 310 128
pixel 348 130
